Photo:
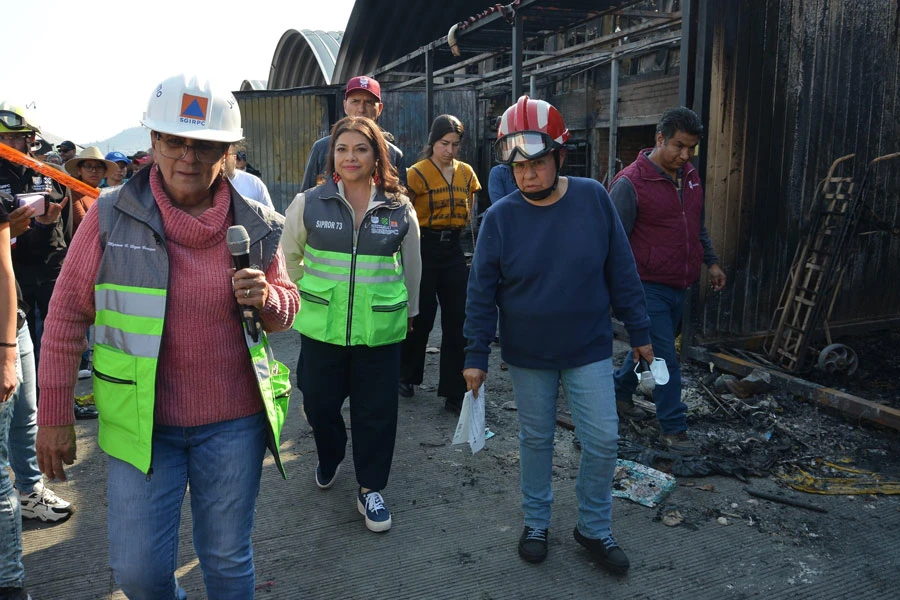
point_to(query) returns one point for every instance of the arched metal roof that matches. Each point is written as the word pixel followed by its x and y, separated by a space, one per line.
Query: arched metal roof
pixel 252 85
pixel 382 31
pixel 304 58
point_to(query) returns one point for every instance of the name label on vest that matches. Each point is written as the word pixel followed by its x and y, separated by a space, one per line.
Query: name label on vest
pixel 130 247
pixel 329 225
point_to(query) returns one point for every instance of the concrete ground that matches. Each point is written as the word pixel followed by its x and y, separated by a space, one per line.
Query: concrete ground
pixel 457 521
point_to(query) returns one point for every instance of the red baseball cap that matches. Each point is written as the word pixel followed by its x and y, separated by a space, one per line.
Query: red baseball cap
pixel 367 84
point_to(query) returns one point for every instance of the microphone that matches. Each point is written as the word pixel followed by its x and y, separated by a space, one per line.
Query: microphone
pixel 239 246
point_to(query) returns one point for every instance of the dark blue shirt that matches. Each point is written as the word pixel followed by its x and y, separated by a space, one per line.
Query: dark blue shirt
pixel 553 272
pixel 501 182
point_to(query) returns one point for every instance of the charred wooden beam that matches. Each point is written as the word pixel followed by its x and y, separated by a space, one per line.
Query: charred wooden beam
pixel 848 404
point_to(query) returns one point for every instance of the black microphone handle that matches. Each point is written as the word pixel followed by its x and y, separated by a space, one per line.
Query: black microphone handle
pixel 249 314
pixel 240 261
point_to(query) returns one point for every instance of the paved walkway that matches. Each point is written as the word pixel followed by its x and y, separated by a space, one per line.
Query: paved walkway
pixel 457 521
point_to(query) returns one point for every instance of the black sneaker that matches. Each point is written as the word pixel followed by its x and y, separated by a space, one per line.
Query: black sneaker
pixel 87 411
pixel 11 593
pixel 606 551
pixel 407 390
pixel 533 544
pixel 325 480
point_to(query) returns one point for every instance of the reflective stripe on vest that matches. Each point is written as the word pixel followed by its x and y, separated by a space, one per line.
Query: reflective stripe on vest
pixel 339 312
pixel 127 336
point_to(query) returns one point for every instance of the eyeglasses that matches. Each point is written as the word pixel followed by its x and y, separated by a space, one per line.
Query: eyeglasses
pixel 206 152
pixel 94 167
pixel 528 144
pixel 12 121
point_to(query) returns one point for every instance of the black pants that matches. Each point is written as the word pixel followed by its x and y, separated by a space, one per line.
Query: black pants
pixel 36 295
pixel 327 374
pixel 444 280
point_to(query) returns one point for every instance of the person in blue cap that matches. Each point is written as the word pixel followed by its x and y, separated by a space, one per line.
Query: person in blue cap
pixel 116 177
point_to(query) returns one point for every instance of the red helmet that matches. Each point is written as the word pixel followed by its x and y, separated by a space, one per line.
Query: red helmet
pixel 531 129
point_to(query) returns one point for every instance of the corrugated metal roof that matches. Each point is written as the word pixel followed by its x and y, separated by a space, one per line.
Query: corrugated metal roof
pixel 250 85
pixel 304 58
pixel 370 42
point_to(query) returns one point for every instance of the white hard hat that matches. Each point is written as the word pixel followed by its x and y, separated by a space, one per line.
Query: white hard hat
pixel 194 109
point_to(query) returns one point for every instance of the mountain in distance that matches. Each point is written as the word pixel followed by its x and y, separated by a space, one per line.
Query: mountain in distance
pixel 127 142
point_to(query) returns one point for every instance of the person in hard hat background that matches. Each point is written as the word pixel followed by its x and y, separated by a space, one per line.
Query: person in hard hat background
pixel 362 98
pixel 187 396
pixel 553 258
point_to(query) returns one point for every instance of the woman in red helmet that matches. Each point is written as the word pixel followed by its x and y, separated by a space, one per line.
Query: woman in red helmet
pixel 553 258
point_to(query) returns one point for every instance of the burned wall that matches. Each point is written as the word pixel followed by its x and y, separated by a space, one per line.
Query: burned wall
pixel 794 85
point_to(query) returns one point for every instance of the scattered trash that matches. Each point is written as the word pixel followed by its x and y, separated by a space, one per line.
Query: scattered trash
pixel 509 405
pixel 86 400
pixel 836 479
pixel 722 521
pixel 672 518
pixel 757 382
pixel 432 350
pixel 488 434
pixel 683 466
pixel 640 483
pixel 708 487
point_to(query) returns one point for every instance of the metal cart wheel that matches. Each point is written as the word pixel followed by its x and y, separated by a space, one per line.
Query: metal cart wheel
pixel 838 359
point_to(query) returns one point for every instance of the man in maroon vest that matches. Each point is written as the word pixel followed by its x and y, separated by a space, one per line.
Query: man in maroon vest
pixel 660 202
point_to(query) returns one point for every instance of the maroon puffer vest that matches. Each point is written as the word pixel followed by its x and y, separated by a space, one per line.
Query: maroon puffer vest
pixel 666 235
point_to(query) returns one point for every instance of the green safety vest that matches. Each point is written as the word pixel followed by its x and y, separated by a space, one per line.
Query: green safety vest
pixel 353 289
pixel 130 302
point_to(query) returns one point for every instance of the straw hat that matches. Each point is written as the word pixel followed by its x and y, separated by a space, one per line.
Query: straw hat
pixel 89 153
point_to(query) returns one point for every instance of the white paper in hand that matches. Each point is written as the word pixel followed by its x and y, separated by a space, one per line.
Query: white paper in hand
pixel 470 427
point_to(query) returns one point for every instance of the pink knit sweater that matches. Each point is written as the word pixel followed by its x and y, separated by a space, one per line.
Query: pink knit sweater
pixel 204 374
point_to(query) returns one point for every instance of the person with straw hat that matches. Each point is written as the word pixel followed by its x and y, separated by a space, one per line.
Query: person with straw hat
pixel 90 166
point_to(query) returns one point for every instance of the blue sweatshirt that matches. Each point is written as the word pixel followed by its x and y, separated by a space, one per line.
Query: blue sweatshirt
pixel 553 272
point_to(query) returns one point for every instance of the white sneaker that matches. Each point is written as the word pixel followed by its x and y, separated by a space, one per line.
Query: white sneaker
pixel 42 504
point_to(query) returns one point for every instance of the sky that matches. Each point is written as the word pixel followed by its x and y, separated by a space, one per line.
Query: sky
pixel 89 68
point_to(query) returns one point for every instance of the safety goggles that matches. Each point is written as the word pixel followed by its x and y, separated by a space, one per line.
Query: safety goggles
pixel 529 145
pixel 12 121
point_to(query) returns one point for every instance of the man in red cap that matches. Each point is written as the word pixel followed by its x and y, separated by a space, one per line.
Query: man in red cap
pixel 361 99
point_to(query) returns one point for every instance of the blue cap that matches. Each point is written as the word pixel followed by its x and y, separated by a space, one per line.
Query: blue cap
pixel 118 157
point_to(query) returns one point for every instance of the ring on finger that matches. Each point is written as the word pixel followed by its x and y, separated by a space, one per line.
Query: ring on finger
pixel 247 293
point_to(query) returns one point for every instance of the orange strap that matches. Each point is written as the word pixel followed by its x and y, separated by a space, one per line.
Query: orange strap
pixel 13 155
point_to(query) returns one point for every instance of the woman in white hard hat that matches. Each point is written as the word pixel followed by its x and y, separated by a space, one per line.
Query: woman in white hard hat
pixel 187 389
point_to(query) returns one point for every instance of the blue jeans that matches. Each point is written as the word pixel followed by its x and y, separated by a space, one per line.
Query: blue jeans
pixel 222 463
pixel 23 429
pixel 591 398
pixel 665 305
pixel 12 571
